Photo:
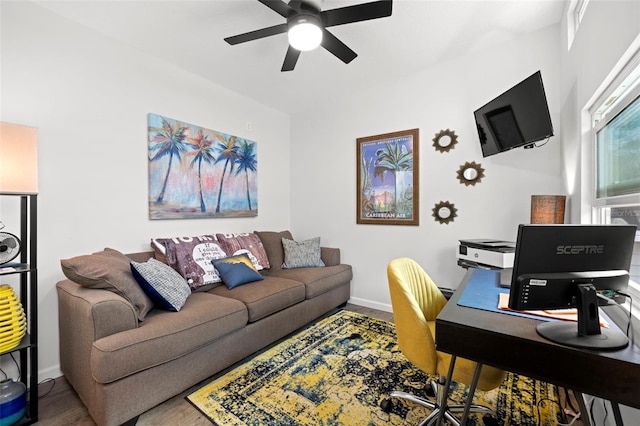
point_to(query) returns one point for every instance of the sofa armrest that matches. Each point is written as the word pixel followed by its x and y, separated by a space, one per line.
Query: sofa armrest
pixel 94 313
pixel 330 256
pixel 84 316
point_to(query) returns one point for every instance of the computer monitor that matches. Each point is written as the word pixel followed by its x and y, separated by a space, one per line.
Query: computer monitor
pixel 564 266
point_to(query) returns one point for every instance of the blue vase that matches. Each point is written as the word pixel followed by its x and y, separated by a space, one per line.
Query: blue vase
pixel 12 401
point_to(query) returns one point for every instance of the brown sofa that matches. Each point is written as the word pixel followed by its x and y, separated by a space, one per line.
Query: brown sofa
pixel 121 366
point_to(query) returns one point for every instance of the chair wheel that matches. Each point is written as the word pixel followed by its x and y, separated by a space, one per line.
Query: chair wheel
pixel 386 405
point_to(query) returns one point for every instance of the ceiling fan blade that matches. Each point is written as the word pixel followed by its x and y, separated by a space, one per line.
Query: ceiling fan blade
pixel 356 13
pixel 278 6
pixel 290 59
pixel 338 48
pixel 254 35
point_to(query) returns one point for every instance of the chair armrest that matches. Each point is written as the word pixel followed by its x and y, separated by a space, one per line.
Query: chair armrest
pixel 330 256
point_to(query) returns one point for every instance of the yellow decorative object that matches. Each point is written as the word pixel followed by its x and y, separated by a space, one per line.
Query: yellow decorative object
pixel 13 323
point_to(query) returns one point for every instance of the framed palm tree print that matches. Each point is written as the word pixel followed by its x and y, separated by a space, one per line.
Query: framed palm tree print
pixel 199 173
pixel 388 179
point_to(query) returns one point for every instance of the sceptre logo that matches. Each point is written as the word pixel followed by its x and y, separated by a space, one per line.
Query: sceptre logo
pixel 589 249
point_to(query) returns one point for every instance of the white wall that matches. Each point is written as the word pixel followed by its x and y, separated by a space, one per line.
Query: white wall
pixel 605 34
pixel 323 192
pixel 89 97
pixel 607 31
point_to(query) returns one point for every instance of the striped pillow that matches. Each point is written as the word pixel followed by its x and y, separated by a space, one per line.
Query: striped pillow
pixel 164 285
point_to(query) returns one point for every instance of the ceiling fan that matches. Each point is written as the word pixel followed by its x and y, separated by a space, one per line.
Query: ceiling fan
pixel 305 16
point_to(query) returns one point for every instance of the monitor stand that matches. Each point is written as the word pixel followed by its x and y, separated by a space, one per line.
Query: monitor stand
pixel 587 334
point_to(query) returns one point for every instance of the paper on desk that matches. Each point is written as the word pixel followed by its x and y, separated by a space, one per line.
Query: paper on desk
pixel 561 314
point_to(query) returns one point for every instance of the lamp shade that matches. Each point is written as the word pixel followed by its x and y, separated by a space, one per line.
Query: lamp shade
pixel 304 32
pixel 547 208
pixel 18 158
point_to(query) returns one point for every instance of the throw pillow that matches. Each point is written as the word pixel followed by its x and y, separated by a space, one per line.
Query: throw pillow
pixel 164 285
pixel 191 257
pixel 108 270
pixel 237 270
pixel 248 243
pixel 272 243
pixel 302 254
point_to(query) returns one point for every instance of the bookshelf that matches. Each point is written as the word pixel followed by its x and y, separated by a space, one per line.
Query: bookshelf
pixel 27 270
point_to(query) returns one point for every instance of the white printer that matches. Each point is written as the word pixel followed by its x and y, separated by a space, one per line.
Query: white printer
pixel 493 254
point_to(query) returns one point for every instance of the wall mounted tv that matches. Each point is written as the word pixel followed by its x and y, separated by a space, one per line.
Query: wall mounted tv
pixel 518 117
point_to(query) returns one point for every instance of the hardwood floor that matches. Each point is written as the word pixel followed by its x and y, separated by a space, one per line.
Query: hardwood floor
pixel 60 406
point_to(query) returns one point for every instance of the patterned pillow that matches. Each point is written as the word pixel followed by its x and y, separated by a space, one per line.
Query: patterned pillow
pixel 248 243
pixel 302 254
pixel 108 270
pixel 163 284
pixel 237 270
pixel 191 257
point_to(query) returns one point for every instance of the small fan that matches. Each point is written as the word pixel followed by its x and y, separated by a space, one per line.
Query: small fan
pixel 9 247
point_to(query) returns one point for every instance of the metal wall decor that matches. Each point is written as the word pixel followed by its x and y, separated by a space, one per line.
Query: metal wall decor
pixel 445 140
pixel 470 173
pixel 444 212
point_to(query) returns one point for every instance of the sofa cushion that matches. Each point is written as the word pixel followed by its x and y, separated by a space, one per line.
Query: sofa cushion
pixel 317 280
pixel 263 298
pixel 108 270
pixel 165 336
pixel 248 243
pixel 236 270
pixel 164 285
pixel 302 254
pixel 191 257
pixel 272 242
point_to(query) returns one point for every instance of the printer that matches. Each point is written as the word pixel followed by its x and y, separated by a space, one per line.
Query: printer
pixel 487 253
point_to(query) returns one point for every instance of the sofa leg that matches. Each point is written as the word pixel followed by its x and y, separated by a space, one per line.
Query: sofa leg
pixel 131 422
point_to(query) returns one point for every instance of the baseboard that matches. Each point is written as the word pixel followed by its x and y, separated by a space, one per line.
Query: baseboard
pixel 49 373
pixel 371 304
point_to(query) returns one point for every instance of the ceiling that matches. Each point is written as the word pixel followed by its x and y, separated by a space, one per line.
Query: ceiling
pixel 189 34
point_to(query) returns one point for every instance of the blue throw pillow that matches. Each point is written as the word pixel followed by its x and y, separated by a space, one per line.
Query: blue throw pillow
pixel 236 270
pixel 164 285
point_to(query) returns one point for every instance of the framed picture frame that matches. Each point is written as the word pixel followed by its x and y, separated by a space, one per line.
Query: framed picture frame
pixel 388 179
pixel 195 172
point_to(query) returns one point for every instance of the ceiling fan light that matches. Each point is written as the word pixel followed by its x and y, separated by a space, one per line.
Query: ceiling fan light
pixel 304 33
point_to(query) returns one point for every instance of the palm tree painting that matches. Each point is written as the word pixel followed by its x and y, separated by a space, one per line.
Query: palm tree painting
pixel 196 172
pixel 247 162
pixel 388 179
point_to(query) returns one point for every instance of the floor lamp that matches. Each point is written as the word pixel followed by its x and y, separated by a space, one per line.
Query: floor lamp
pixel 19 177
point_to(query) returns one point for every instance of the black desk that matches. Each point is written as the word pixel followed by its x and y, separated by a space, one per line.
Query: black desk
pixel 511 343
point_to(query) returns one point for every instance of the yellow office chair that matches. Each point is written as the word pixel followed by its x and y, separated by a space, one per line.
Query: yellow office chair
pixel 416 302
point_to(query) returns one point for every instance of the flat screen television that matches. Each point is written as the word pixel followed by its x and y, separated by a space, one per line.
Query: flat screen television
pixel 518 117
pixel 564 266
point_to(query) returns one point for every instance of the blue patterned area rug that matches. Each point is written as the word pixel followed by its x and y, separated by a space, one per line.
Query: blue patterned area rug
pixel 338 370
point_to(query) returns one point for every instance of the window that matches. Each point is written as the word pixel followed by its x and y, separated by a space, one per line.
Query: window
pixel 616 130
pixel 618 157
pixel 575 13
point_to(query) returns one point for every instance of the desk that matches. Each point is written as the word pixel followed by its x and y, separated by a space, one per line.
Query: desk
pixel 512 343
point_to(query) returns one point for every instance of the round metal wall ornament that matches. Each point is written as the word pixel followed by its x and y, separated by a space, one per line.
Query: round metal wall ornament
pixel 445 140
pixel 444 212
pixel 470 173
